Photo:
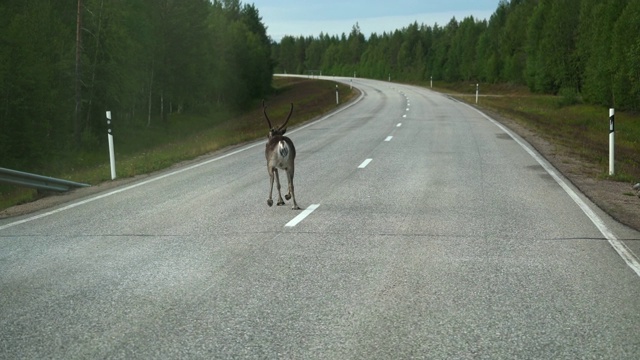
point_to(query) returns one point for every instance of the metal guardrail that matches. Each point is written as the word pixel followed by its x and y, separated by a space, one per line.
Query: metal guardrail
pixel 39 182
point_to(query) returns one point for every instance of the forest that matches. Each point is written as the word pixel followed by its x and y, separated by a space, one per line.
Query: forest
pixel 63 63
pixel 587 50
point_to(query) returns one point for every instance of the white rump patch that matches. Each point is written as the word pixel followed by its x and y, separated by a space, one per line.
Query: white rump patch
pixel 283 150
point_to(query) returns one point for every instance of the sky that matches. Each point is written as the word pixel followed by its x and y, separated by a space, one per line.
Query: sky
pixel 334 17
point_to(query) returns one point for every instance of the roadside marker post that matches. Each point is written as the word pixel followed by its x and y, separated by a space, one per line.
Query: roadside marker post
pixel 612 136
pixel 112 157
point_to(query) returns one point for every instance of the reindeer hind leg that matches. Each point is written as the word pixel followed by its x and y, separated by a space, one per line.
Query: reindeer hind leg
pixel 280 201
pixel 291 193
pixel 290 181
pixel 270 201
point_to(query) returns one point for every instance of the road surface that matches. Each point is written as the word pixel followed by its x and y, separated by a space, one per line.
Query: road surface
pixel 428 232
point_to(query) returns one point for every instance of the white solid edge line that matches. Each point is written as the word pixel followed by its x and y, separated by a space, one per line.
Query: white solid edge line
pixel 258 142
pixel 306 212
pixel 617 245
pixel 364 164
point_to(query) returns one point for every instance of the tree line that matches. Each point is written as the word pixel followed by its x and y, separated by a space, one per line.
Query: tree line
pixel 63 63
pixel 587 49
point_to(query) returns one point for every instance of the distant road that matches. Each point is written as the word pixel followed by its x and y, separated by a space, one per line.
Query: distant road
pixel 429 232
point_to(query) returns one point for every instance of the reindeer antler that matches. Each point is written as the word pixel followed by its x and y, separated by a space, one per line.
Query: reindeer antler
pixel 288 117
pixel 264 110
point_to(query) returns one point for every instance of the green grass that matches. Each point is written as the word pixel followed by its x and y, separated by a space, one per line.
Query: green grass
pixel 141 150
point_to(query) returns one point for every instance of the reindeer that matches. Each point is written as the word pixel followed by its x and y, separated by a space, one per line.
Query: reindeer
pixel 280 154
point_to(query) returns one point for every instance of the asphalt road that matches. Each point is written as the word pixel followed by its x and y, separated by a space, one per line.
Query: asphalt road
pixel 430 232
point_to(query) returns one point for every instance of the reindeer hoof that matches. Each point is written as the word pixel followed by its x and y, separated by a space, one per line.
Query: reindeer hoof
pixel 287 196
pixel 280 203
pixel 270 202
pixel 295 208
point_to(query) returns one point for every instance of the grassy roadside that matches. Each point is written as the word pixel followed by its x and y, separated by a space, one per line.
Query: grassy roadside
pixel 581 130
pixel 140 149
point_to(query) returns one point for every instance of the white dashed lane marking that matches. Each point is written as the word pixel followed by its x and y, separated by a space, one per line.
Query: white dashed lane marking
pixel 364 164
pixel 302 215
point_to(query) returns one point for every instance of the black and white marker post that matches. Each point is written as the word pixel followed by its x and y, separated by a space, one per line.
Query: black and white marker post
pixel 337 98
pixel 112 157
pixel 611 142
